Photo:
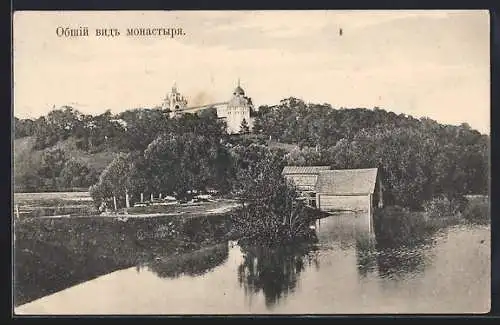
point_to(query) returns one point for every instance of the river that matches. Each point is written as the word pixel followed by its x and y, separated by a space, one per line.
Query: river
pixel 348 271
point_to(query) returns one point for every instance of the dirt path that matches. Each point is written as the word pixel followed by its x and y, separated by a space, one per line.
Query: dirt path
pixel 186 211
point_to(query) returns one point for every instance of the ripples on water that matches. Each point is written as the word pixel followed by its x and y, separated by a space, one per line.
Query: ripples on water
pixel 349 270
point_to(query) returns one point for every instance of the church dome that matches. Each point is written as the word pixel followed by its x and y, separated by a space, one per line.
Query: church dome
pixel 239 91
pixel 238 101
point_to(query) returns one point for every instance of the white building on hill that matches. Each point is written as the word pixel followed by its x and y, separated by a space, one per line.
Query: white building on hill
pixel 236 111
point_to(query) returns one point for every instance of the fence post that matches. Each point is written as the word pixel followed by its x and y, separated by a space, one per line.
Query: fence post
pixel 127 199
pixel 17 211
pixel 370 213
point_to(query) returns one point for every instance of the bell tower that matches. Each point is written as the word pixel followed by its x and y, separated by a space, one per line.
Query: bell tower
pixel 174 101
pixel 238 110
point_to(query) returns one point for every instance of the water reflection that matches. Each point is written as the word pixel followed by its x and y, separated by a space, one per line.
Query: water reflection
pixel 192 264
pixel 404 247
pixel 343 231
pixel 274 271
pixel 381 250
pixel 399 264
pixel 351 269
pixel 366 254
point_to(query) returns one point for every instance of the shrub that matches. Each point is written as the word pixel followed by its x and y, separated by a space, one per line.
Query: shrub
pixel 477 212
pixel 260 225
pixel 395 225
pixel 443 207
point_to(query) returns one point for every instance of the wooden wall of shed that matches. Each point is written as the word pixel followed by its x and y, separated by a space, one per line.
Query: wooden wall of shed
pixel 328 202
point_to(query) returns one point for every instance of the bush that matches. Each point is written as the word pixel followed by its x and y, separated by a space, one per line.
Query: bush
pixel 477 212
pixel 395 225
pixel 260 225
pixel 443 207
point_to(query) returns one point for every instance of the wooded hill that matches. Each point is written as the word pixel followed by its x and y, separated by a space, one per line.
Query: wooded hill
pixel 419 158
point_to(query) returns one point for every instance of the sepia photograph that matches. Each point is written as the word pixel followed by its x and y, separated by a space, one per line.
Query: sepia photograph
pixel 313 162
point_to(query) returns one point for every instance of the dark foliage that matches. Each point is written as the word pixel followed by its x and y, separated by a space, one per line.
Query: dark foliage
pixel 274 271
pixel 419 159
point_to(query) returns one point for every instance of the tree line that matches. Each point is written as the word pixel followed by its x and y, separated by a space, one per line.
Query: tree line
pixel 419 158
pixel 56 172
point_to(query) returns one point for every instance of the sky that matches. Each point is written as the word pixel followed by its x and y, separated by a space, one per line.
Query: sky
pixel 432 64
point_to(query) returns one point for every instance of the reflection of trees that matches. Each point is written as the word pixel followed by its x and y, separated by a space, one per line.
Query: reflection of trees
pixel 399 262
pixel 193 263
pixel 392 261
pixel 275 271
pixel 365 254
pixel 395 227
pixel 402 244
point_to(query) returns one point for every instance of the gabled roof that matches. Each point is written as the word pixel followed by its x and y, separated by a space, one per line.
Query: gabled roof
pixel 347 181
pixel 304 169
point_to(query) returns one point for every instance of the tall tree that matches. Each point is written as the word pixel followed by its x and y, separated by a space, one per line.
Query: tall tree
pixel 74 174
pixel 183 162
pixel 52 164
pixel 244 128
pixel 113 181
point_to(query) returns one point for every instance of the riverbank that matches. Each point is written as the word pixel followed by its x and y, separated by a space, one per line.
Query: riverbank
pixel 54 253
pixel 396 224
pixel 346 267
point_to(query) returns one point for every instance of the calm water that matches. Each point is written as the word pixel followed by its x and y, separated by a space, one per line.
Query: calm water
pixel 347 271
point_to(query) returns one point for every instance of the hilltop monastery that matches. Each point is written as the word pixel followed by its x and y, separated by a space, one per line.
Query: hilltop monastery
pixel 236 111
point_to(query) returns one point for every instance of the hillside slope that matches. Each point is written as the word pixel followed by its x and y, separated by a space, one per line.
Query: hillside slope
pixel 27 160
pixel 25 157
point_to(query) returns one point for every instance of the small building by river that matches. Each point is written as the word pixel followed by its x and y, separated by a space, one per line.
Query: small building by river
pixel 358 190
pixel 349 189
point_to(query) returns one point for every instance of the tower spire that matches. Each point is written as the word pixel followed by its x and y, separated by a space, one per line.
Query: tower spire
pixel 238 81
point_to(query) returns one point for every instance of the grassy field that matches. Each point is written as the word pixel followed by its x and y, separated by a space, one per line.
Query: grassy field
pixel 51 196
pixel 54 203
pixel 81 204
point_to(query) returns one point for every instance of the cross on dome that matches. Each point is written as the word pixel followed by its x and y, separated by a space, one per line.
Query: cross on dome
pixel 238 90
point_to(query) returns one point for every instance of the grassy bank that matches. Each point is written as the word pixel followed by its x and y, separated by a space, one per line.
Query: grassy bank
pixel 53 254
pixel 395 225
pixel 33 205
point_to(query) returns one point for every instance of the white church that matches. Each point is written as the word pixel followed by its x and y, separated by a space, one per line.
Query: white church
pixel 236 111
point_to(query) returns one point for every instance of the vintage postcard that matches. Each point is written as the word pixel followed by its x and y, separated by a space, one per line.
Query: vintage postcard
pixel 251 162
